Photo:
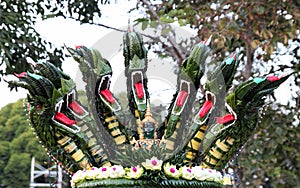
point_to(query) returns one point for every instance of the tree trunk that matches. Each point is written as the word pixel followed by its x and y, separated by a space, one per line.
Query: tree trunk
pixel 249 54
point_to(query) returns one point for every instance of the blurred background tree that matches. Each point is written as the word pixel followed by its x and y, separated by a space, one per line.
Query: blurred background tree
pixel 271 158
pixel 232 24
pixel 17 145
pixel 266 33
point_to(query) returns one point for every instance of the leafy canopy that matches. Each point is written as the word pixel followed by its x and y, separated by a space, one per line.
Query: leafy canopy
pixel 233 24
pixel 19 39
pixel 17 145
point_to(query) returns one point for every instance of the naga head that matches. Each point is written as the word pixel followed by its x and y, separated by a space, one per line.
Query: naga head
pixel 90 60
pixel 134 52
pixel 45 84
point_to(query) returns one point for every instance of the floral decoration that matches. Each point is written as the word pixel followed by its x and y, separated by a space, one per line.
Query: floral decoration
pixel 103 173
pixel 135 172
pixel 203 174
pixel 150 165
pixel 116 171
pixel 77 177
pixel 171 171
pixel 186 173
pixel 91 174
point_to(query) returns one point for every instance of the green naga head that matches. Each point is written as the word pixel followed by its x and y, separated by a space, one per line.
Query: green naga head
pixel 45 84
pixel 90 60
pixel 134 52
pixel 253 91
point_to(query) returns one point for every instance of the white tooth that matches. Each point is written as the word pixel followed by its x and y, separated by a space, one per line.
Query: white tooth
pixel 208 41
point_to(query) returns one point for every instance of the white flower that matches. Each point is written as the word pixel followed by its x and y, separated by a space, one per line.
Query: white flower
pixel 186 173
pixel 103 173
pixel 207 174
pixel 91 174
pixel 171 171
pixel 77 177
pixel 134 172
pixel 199 173
pixel 116 171
pixel 153 164
pixel 218 177
pixel 227 180
pixel 210 174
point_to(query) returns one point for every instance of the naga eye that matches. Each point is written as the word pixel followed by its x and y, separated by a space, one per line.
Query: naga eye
pixel 39 106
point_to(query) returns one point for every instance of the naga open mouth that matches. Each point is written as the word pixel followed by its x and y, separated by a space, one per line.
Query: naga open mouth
pixel 105 94
pixel 229 118
pixel 138 87
pixel 182 97
pixel 206 108
pixel 225 121
pixel 75 108
pixel 63 121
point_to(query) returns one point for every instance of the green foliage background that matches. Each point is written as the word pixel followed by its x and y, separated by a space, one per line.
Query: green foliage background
pixel 18 145
pixel 272 157
pixel 19 38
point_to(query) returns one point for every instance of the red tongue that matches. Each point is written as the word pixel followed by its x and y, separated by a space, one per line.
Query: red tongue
pixel 139 90
pixel 76 108
pixel 225 119
pixel 273 78
pixel 107 95
pixel 21 75
pixel 64 119
pixel 181 98
pixel 205 108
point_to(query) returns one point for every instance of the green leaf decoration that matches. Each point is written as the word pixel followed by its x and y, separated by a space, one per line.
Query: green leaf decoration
pixel 56 95
pixel 146 183
pixel 135 156
pixel 67 85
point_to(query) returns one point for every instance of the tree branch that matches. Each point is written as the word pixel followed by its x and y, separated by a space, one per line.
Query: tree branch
pixel 154 39
pixel 175 50
pixel 249 54
pixel 101 25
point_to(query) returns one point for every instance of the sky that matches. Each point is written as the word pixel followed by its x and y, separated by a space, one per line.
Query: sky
pixel 60 31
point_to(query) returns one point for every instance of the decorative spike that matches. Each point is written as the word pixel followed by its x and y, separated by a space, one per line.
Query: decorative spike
pixel 208 41
pixel 234 55
pixel 128 28
pixel 31 62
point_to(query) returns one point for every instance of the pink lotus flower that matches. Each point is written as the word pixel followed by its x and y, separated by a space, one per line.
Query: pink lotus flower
pixel 152 164
pixel 134 172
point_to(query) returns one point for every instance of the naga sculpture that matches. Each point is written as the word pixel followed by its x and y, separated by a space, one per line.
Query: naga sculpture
pixel 189 149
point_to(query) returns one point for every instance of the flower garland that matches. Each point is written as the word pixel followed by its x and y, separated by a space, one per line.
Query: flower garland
pixel 153 164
